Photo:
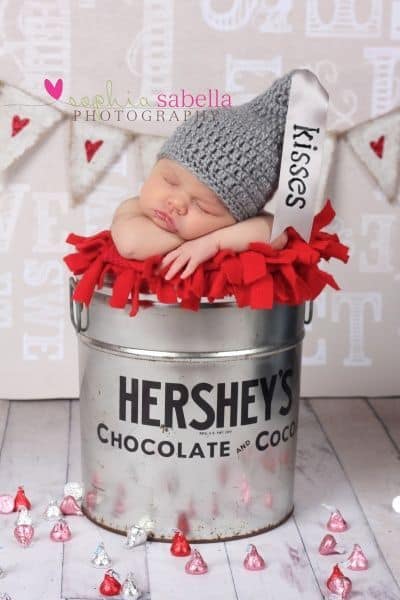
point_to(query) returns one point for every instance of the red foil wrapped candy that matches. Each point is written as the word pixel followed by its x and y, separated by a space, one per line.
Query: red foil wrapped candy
pixel 21 500
pixel 180 546
pixel 339 584
pixel 110 586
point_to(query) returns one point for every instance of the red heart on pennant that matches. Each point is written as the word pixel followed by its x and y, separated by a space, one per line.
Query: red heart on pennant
pixel 91 148
pixel 377 146
pixel 18 124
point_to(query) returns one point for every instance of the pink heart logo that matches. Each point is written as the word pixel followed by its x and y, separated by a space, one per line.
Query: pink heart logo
pixel 54 91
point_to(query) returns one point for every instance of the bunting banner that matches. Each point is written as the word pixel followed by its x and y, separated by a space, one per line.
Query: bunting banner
pixel 95 146
pixel 23 121
pixel 377 145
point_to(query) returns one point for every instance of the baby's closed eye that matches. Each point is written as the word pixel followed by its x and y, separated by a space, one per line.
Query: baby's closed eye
pixel 170 181
pixel 199 204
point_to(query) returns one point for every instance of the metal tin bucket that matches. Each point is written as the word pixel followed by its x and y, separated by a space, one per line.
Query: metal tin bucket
pixel 189 419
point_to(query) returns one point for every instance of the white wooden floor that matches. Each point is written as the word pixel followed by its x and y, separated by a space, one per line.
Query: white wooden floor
pixel 348 456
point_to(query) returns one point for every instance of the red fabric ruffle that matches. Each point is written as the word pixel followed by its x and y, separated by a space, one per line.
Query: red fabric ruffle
pixel 258 277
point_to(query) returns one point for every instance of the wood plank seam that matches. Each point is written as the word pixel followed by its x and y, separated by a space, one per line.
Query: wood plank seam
pixel 230 569
pixel 384 426
pixel 308 557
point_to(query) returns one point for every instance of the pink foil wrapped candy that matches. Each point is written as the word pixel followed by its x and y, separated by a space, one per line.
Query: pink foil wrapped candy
pixel 69 506
pixel 336 522
pixel 253 561
pixel 61 531
pixel 24 535
pixel 328 546
pixel 196 565
pixel 357 560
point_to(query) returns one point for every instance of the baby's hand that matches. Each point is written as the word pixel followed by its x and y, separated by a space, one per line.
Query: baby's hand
pixel 191 254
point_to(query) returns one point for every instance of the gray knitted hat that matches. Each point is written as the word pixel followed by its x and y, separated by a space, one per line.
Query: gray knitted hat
pixel 236 151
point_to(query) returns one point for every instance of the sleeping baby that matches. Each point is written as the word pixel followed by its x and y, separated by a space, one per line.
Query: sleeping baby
pixel 209 185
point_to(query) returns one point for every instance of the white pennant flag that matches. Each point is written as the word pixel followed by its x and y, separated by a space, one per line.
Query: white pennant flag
pixel 303 143
pixel 23 121
pixel 94 147
pixel 149 146
pixel 377 145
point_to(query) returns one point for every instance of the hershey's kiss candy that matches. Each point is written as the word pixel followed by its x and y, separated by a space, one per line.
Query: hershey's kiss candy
pixel 69 506
pixel 6 504
pixel 5 596
pixel 339 584
pixel 24 535
pixel 24 517
pixel 130 588
pixel 146 523
pixel 100 558
pixel 21 500
pixel 395 504
pixel 135 536
pixel 180 546
pixel 336 522
pixel 52 512
pixel 61 531
pixel 253 561
pixel 357 560
pixel 75 489
pixel 196 564
pixel 110 586
pixel 328 546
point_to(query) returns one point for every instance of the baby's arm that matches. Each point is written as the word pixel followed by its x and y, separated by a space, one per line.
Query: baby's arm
pixel 136 236
pixel 238 236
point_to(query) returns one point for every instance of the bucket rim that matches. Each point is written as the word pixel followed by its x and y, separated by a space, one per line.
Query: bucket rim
pixel 230 300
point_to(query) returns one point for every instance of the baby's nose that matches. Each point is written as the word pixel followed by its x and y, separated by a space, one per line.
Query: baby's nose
pixel 178 202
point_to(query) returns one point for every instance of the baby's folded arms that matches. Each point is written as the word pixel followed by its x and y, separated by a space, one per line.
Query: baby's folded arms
pixel 136 236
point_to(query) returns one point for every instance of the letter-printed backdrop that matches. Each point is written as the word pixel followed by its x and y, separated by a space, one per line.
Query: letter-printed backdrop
pixel 239 47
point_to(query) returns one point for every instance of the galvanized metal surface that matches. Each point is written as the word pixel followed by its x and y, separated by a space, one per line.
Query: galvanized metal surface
pixel 189 418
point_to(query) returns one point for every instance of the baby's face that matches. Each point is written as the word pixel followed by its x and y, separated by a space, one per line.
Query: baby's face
pixel 176 200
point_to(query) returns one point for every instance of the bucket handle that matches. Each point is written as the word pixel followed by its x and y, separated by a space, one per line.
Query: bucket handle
pixel 309 317
pixel 76 309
